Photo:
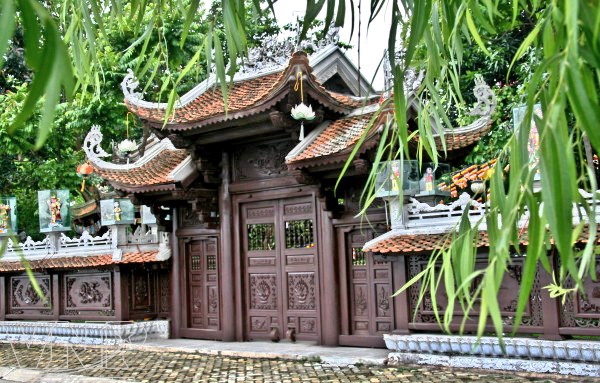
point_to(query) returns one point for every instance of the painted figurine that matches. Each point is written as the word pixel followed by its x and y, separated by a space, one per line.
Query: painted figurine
pixel 4 217
pixel 428 180
pixel 54 205
pixel 395 177
pixel 117 210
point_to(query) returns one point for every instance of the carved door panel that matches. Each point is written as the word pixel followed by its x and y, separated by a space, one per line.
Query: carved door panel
pixel 203 287
pixel 371 304
pixel 279 251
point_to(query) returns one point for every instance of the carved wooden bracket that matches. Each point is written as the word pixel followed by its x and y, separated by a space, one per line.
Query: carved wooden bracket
pixel 362 166
pixel 303 177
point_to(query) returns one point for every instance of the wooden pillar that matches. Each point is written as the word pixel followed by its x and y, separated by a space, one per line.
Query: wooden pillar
pixel 55 298
pixel 227 277
pixel 550 307
pixel 3 297
pixel 402 308
pixel 121 295
pixel 330 296
pixel 176 305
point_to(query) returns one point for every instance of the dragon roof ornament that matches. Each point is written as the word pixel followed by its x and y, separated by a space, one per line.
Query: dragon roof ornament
pixel 486 99
pixel 91 145
pixel 129 85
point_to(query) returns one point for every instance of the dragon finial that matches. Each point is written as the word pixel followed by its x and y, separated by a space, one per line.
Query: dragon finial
pixel 486 99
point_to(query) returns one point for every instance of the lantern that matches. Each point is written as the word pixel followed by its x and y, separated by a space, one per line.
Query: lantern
pixel 8 216
pixel 117 211
pixel 301 111
pixel 84 170
pixel 54 212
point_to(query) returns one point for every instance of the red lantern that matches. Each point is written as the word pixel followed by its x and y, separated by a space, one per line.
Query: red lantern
pixel 84 170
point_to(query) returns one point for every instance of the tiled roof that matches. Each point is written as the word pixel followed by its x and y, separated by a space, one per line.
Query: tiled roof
pixel 336 137
pixel 242 95
pixel 463 137
pixel 419 243
pixel 153 173
pixel 80 262
pixel 461 178
pixel 84 209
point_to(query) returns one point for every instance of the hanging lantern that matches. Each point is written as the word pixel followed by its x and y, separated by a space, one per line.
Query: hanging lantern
pixel 84 170
pixel 301 111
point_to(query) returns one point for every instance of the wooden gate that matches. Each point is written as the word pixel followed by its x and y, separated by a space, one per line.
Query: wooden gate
pixel 280 260
pixel 368 307
pixel 202 289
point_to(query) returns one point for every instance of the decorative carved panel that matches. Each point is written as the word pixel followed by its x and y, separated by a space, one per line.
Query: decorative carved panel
pixel 88 291
pixel 141 294
pixel 301 291
pixel 23 296
pixel 298 209
pixel 582 309
pixel 261 161
pixel 163 293
pixel 263 291
pixel 507 296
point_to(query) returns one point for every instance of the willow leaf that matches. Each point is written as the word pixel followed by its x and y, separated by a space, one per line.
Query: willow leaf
pixel 475 33
pixel 7 26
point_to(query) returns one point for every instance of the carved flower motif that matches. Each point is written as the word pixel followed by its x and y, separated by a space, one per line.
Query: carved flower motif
pixel 303 112
pixel 127 146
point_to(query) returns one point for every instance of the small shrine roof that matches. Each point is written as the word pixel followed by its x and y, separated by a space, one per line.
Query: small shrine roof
pixel 85 209
pixel 77 262
pixel 332 138
pixel 161 167
pixel 156 174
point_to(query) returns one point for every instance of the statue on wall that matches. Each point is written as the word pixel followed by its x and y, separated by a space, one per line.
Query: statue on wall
pixel 54 205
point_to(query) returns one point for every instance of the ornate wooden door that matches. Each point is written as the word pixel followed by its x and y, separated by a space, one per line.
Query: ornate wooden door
pixel 371 304
pixel 203 284
pixel 280 259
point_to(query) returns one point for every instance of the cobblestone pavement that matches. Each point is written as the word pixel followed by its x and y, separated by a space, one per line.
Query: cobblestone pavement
pixel 156 367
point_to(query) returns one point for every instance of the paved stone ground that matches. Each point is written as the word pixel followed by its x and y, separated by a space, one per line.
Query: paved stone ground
pixel 156 367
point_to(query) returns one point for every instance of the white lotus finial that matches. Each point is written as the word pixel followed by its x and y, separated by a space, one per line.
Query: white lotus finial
pixel 127 146
pixel 303 112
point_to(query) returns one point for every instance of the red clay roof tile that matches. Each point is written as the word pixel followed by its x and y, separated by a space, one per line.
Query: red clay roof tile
pixel 154 172
pixel 336 137
pixel 80 262
pixel 420 243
